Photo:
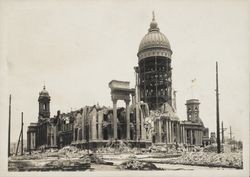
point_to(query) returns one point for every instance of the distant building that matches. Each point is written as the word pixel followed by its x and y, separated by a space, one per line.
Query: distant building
pixel 206 140
pixel 149 116
pixel 193 127
pixel 213 137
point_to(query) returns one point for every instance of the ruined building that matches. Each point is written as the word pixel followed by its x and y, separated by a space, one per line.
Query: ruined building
pixel 150 114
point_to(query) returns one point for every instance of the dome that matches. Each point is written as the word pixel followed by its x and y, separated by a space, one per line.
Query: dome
pixel 154 39
pixel 44 92
pixel 154 43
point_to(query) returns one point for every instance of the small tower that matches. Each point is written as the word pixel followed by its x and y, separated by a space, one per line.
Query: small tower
pixel 193 110
pixel 44 104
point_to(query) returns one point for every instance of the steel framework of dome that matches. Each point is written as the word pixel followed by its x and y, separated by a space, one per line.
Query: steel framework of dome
pixel 154 71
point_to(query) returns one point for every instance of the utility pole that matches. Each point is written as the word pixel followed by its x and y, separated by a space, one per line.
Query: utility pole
pixel 9 126
pixel 217 111
pixel 22 134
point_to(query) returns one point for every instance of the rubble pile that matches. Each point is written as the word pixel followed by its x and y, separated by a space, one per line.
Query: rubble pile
pixel 69 165
pixel 26 157
pixel 155 148
pixel 65 159
pixel 137 165
pixel 173 149
pixel 118 146
pixel 210 148
pixel 112 150
pixel 106 150
pixel 229 160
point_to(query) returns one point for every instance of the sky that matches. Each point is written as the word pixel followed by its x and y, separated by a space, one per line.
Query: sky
pixel 77 47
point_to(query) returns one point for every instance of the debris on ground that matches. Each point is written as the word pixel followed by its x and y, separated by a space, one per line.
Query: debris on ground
pixel 137 165
pixel 210 148
pixel 68 165
pixel 229 160
pixel 97 159
pixel 73 158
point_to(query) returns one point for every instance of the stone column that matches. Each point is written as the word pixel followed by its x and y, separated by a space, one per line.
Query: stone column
pixel 200 137
pixel 167 132
pixel 28 141
pixel 170 132
pixel 184 135
pixel 55 137
pixel 181 134
pixel 73 132
pixel 83 123
pixel 143 130
pixel 77 135
pixel 114 119
pixel 34 140
pixel 51 133
pixel 137 121
pixel 93 132
pixel 173 133
pixel 31 140
pixel 178 133
pixel 100 119
pixel 195 137
pixel 159 129
pixel 191 136
pixel 127 120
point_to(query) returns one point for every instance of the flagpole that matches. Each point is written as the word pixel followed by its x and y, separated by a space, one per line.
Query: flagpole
pixel 192 87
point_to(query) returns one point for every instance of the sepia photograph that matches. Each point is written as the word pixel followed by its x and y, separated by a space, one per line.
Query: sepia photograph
pixel 128 88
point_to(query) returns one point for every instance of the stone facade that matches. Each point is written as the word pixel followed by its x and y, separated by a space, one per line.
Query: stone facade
pixel 149 115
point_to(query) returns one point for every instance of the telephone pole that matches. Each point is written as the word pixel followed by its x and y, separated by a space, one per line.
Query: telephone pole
pixel 9 126
pixel 22 135
pixel 217 111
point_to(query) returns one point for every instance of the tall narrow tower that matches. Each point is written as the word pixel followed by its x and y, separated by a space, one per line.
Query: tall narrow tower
pixel 44 104
pixel 154 71
pixel 193 110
